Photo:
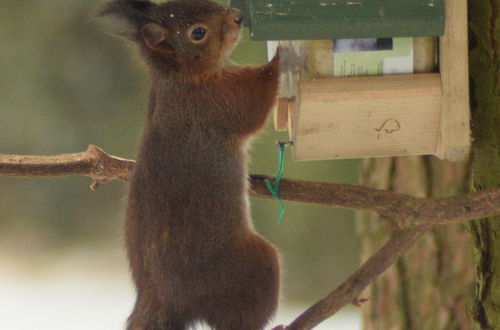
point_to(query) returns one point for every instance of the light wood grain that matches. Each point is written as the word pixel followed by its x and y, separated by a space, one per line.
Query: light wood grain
pixel 367 117
pixel 417 114
pixel 319 58
pixel 281 113
pixel 454 139
pixel 424 54
pixel 292 111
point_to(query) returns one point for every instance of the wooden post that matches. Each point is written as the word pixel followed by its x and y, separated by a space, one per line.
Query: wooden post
pixel 454 139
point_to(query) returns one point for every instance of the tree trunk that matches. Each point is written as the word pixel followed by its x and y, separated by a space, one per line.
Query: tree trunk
pixel 484 24
pixel 432 286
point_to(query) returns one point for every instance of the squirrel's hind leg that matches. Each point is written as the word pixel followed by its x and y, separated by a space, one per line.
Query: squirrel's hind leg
pixel 242 315
pixel 251 297
pixel 149 314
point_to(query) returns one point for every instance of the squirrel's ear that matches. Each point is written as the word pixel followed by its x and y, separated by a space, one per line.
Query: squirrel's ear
pixel 130 16
pixel 155 37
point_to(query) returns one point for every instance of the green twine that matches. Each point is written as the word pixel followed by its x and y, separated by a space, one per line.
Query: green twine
pixel 274 188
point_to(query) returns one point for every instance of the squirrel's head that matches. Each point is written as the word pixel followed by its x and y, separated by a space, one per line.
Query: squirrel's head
pixel 182 35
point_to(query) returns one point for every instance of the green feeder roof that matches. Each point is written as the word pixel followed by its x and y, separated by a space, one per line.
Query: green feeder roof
pixel 333 19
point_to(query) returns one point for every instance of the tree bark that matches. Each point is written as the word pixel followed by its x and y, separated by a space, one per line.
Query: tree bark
pixel 484 24
pixel 450 279
pixel 431 286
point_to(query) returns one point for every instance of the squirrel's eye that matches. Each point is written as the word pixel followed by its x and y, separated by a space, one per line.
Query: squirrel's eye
pixel 198 33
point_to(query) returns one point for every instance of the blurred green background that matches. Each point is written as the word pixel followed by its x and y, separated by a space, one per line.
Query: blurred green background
pixel 65 83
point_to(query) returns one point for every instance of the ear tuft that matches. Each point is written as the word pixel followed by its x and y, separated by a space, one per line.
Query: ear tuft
pixel 128 15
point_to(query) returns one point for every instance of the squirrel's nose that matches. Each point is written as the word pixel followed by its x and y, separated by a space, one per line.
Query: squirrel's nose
pixel 238 19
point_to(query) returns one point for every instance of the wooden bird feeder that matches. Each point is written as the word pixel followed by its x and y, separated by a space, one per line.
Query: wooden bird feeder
pixel 339 100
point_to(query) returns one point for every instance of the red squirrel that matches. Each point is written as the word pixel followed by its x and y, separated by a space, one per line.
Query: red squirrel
pixel 193 252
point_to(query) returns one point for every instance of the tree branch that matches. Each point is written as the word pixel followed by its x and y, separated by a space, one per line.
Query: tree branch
pixel 93 163
pixel 348 291
pixel 404 210
pixel 412 216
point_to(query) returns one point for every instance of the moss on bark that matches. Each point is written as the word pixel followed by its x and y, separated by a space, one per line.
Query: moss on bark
pixel 484 24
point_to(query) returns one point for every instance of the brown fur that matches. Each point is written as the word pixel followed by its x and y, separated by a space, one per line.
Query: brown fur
pixel 193 253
